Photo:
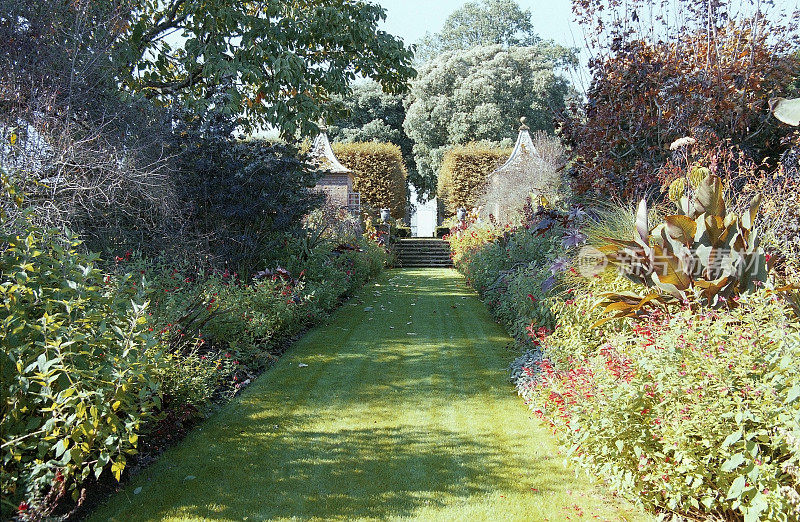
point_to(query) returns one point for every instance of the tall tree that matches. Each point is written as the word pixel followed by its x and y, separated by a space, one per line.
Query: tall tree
pixel 262 62
pixel 267 62
pixel 370 114
pixel 480 94
pixel 490 22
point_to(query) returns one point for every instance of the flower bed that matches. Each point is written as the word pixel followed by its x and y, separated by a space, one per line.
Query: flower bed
pixel 106 364
pixel 684 408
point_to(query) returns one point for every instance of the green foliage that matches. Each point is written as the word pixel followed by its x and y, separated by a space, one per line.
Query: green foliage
pixel 374 115
pixel 703 254
pixel 245 198
pixel 78 365
pixel 491 22
pixel 516 272
pixel 480 94
pixel 401 232
pixel 221 330
pixel 88 357
pixel 688 413
pixel 463 175
pixel 380 174
pixel 265 63
pixel 694 413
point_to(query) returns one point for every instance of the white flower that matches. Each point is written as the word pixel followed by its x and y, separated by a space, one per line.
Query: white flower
pixel 682 142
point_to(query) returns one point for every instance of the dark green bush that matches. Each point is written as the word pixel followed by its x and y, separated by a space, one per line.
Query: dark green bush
pixel 402 232
pixel 244 198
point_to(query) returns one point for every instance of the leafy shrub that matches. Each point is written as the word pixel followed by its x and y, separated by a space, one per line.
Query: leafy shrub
pixel 517 272
pixel 88 367
pixel 333 224
pixel 78 367
pixel 403 232
pixel 694 413
pixel 463 174
pixel 380 174
pixel 703 254
pixel 682 413
pixel 221 330
pixel 469 242
pixel 244 198
pixel 709 76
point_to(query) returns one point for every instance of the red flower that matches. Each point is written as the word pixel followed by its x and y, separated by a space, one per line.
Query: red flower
pixel 23 506
pixel 533 299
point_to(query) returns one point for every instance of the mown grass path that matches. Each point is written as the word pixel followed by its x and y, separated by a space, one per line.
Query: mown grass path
pixel 404 411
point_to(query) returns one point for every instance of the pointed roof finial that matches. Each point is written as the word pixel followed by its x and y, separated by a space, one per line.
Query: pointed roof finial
pixel 322 153
pixel 524 151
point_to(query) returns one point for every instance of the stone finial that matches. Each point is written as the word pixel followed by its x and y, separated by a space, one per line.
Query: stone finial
pixel 523 121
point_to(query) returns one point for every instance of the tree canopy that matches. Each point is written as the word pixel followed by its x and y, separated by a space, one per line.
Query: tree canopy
pixel 490 22
pixel 262 63
pixel 370 114
pixel 274 63
pixel 480 94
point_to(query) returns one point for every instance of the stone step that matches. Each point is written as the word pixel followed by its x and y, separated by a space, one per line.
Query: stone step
pixel 423 247
pixel 433 252
pixel 417 249
pixel 423 253
pixel 424 265
pixel 445 253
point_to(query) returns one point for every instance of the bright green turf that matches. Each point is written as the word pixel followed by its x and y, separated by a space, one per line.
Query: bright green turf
pixel 416 421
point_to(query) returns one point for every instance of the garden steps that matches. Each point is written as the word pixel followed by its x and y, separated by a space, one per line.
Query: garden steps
pixel 423 253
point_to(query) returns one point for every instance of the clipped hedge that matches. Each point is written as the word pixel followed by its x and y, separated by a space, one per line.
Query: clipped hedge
pixel 464 171
pixel 380 174
pixel 402 232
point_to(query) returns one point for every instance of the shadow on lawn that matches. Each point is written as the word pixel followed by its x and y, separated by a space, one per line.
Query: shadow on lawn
pixel 376 473
pixel 280 451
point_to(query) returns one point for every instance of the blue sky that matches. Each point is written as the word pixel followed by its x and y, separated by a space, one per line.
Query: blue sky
pixel 411 19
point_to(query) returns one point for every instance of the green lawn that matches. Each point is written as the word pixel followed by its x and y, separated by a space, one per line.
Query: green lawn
pixel 404 411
